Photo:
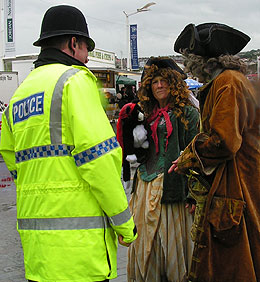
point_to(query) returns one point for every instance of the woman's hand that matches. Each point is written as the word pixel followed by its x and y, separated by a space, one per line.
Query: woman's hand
pixel 174 166
pixel 191 208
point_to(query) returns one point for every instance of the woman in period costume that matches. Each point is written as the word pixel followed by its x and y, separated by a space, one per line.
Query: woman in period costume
pixel 163 249
pixel 224 157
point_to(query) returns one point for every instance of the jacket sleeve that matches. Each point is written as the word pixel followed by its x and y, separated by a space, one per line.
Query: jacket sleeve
pixel 7 144
pixel 97 153
pixel 227 122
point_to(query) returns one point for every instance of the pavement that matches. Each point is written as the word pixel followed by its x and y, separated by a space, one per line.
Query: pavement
pixel 11 255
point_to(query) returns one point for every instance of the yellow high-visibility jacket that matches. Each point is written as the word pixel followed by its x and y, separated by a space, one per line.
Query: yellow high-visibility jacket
pixel 63 154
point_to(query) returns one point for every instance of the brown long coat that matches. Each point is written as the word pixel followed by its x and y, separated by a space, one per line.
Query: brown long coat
pixel 227 153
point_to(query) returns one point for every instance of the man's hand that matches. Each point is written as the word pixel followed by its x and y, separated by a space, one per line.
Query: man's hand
pixel 121 241
pixel 174 166
pixel 191 207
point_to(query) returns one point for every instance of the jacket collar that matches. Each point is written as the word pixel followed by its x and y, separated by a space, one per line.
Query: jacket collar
pixel 54 56
pixel 204 90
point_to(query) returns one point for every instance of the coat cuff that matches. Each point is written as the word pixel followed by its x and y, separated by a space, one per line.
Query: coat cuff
pixel 190 158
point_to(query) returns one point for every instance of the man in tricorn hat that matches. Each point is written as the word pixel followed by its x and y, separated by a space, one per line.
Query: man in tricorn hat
pixel 224 159
pixel 62 151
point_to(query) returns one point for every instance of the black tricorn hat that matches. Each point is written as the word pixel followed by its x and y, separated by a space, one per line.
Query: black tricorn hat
pixel 61 20
pixel 163 63
pixel 211 40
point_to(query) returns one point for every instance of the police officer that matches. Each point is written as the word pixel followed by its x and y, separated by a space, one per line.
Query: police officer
pixel 65 159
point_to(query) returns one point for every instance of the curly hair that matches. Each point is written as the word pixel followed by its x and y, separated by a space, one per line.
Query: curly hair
pixel 204 67
pixel 179 93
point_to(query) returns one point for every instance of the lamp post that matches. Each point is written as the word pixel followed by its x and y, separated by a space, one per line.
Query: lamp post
pixel 143 9
pixel 258 67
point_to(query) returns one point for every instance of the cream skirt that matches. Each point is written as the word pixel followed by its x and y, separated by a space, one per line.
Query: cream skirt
pixel 163 250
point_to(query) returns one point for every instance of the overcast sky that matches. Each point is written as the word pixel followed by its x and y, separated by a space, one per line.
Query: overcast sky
pixel 157 28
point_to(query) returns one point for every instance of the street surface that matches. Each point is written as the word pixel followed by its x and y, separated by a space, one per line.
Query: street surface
pixel 11 255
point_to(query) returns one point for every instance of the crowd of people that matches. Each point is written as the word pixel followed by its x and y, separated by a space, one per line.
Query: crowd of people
pixel 126 94
pixel 194 211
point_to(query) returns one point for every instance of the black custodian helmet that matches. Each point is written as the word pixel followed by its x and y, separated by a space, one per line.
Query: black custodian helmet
pixel 61 20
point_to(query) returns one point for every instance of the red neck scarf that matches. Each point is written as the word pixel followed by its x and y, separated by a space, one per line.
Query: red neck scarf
pixel 156 116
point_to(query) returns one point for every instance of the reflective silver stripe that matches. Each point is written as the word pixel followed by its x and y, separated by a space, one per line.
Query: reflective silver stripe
pixel 61 150
pixel 120 218
pixel 56 103
pixel 96 151
pixel 6 112
pixel 68 223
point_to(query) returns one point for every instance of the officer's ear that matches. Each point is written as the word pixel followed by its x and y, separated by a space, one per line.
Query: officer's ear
pixel 72 44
